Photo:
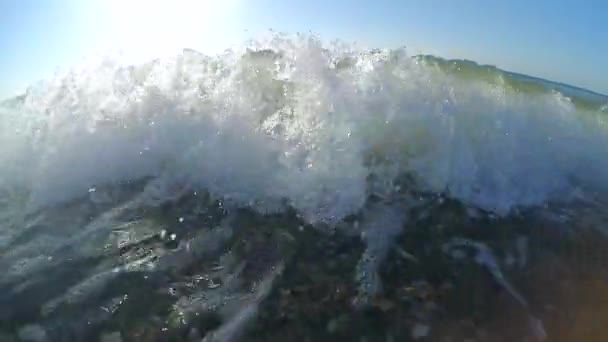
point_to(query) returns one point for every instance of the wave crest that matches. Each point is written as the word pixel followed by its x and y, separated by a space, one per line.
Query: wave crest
pixel 290 120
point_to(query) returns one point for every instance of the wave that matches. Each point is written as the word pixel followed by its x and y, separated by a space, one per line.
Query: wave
pixel 291 121
pixel 148 187
pixel 583 99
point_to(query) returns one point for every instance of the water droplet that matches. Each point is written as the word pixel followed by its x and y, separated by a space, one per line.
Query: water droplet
pixel 181 219
pixel 92 189
pixel 213 285
pixel 173 237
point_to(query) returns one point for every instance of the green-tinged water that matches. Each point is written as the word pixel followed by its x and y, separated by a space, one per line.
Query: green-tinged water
pixel 471 71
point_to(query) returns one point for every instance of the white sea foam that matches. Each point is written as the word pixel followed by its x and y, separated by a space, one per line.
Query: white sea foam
pixel 289 118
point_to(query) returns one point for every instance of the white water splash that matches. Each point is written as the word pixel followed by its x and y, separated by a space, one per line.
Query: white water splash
pixel 289 118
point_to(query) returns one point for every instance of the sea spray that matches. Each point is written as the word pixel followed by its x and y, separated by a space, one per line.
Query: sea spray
pixel 245 156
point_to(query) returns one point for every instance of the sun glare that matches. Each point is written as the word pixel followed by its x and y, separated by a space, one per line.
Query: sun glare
pixel 152 28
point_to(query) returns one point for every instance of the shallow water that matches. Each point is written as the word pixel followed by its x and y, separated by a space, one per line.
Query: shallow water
pixel 190 269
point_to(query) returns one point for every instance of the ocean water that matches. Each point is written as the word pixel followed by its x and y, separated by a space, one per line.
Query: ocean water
pixel 194 181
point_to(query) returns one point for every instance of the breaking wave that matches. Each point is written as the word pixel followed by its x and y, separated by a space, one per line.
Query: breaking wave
pixel 128 187
pixel 291 121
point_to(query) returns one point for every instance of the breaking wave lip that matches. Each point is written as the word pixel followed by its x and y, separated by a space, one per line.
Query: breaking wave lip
pixel 291 120
pixel 582 98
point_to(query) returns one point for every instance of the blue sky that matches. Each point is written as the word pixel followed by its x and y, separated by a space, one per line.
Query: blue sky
pixel 562 40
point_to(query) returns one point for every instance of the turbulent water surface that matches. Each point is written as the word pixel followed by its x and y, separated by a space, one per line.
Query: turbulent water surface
pixel 221 197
